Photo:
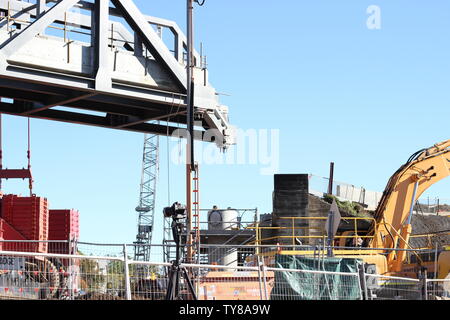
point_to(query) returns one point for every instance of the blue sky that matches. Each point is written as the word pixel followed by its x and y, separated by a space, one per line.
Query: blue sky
pixel 337 91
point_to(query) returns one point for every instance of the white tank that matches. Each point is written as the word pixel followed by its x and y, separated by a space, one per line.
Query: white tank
pixel 225 256
pixel 223 219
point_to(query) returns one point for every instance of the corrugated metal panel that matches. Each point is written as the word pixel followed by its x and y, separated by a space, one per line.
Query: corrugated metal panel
pixel 63 225
pixel 29 216
pixel 7 232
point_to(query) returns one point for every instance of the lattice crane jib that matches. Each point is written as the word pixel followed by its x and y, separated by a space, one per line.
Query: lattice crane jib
pixel 147 197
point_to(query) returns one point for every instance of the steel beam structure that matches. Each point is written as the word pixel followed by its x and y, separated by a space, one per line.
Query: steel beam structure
pixel 103 72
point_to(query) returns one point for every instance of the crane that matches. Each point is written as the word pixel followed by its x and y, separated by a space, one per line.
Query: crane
pixel 147 194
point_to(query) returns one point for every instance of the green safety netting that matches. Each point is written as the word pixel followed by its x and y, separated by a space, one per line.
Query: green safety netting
pixel 316 286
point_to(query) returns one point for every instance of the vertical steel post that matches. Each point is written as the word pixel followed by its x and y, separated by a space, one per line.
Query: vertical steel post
pixel 72 245
pixel 100 22
pixel 436 261
pixel 260 277
pixel 330 237
pixel 331 178
pixel 30 180
pixel 190 124
pixel 362 281
pixel 1 150
pixel 190 83
pixel 127 273
pixel 263 268
pixel 424 284
pixel 41 7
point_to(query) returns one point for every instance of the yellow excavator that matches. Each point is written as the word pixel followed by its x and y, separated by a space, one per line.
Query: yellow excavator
pixel 392 229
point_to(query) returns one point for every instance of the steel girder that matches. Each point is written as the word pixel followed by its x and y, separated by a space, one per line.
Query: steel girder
pixel 109 81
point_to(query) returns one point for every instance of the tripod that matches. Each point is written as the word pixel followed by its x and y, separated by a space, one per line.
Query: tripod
pixel 176 271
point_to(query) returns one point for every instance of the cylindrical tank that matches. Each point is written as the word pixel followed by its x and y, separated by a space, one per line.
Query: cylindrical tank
pixel 223 219
pixel 223 256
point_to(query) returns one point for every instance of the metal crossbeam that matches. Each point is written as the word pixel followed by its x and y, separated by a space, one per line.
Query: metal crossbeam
pixel 132 78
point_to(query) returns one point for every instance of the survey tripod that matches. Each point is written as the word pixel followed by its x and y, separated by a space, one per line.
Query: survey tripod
pixel 176 271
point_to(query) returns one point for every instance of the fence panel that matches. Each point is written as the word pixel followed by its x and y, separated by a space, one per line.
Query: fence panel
pixel 392 288
pixel 224 273
pixel 291 284
pixel 438 289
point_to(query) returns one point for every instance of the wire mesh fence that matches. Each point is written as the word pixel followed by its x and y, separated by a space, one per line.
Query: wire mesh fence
pixel 381 287
pixel 109 272
pixel 438 289
pixel 294 284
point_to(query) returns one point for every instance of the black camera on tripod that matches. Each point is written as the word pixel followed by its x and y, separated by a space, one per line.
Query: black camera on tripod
pixel 177 211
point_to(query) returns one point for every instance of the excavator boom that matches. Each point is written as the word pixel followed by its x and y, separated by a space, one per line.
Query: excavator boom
pixel 393 214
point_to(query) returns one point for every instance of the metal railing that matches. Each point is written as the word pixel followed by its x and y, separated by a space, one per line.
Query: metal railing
pixel 295 235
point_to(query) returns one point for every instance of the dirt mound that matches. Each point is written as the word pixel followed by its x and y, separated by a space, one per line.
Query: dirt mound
pixel 435 225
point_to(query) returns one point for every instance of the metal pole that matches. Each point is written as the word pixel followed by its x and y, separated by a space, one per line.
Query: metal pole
pixel 263 268
pixel 127 273
pixel 413 202
pixel 191 83
pixel 1 150
pixel 189 97
pixel 436 261
pixel 330 234
pixel 362 281
pixel 437 209
pixel 424 282
pixel 260 277
pixel 30 180
pixel 330 181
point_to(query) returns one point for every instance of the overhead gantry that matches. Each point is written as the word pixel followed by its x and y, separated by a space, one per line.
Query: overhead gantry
pixel 102 63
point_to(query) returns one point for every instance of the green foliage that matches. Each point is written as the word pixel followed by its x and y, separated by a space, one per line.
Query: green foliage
pixel 351 208
pixel 91 276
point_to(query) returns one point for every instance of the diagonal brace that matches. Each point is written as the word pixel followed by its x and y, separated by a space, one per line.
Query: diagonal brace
pixel 14 44
pixel 151 40
pixel 53 102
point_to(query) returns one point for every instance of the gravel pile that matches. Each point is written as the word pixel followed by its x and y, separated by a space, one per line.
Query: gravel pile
pixel 422 224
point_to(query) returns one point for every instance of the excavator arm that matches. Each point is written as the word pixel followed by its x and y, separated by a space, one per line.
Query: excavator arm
pixel 394 212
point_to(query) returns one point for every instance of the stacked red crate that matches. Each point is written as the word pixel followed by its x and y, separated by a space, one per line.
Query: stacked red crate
pixel 63 225
pixel 29 216
pixel 7 232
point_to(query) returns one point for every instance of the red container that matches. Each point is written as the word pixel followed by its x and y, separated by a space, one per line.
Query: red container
pixel 63 225
pixel 7 232
pixel 13 240
pixel 29 216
